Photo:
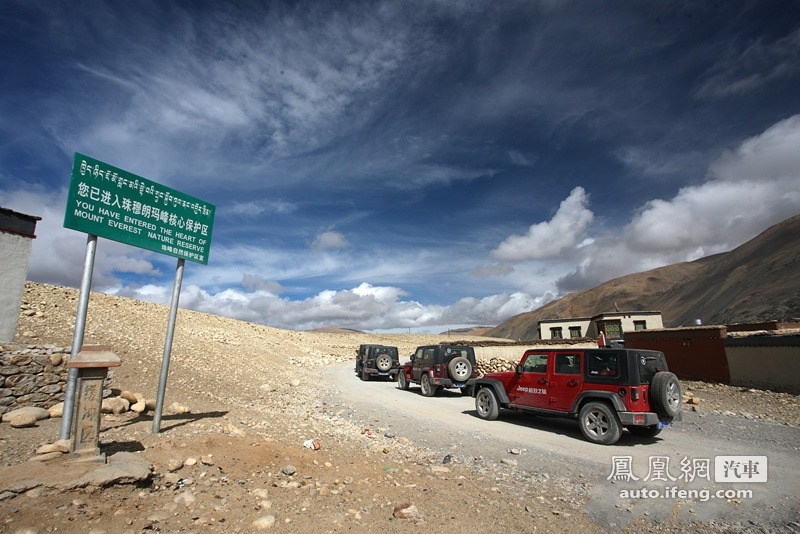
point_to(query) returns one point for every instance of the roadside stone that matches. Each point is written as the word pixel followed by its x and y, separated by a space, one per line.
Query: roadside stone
pixel 509 461
pixel 265 522
pixel 33 411
pixel 115 405
pixel 61 445
pixel 23 421
pixel 56 410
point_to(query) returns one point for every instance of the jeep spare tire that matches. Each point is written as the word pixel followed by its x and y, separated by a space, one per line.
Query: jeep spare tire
pixel 460 369
pixel 665 394
pixel 383 362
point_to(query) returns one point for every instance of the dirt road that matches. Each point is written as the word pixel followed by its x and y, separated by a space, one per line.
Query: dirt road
pixel 555 448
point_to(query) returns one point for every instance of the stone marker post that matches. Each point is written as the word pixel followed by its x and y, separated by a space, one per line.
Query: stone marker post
pixel 92 364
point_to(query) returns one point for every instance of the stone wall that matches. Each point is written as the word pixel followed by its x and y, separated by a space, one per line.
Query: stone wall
pixel 32 375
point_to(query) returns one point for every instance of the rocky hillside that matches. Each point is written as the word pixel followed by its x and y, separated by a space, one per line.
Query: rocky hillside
pixel 758 281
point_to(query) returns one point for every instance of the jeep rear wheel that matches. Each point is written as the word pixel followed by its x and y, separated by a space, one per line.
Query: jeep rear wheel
pixel 644 431
pixel 402 381
pixel 428 389
pixel 486 404
pixel 364 375
pixel 383 362
pixel 460 369
pixel 599 423
pixel 665 394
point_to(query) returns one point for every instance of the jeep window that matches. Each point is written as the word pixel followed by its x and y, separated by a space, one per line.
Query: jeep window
pixel 428 355
pixel 455 353
pixel 555 333
pixel 649 364
pixel 535 363
pixel 574 331
pixel 603 365
pixel 568 364
pixel 391 351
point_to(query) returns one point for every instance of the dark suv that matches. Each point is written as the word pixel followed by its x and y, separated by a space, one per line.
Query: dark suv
pixel 377 361
pixel 434 367
pixel 606 389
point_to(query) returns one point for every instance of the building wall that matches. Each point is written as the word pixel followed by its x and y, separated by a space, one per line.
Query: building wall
pixel 584 324
pixel 692 353
pixel 14 253
pixel 771 362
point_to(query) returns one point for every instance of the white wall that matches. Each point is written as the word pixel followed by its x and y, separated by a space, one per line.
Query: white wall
pixel 15 250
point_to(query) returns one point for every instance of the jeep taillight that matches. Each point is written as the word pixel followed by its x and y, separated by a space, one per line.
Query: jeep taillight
pixel 635 394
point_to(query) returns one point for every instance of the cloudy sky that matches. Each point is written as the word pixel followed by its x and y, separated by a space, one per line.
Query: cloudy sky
pixel 405 165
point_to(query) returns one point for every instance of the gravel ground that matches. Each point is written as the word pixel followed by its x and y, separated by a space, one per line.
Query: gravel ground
pixel 256 394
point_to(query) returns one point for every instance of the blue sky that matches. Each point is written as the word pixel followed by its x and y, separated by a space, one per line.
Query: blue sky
pixel 405 165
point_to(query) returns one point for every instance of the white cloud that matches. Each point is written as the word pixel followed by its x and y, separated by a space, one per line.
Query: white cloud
pixel 365 307
pixel 329 240
pixel 253 282
pixel 549 239
pixel 748 190
pixel 252 209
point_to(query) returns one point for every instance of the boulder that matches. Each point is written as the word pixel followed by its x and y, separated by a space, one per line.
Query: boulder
pixel 37 413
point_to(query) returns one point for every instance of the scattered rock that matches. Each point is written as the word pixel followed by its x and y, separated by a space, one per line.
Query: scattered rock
pixel 289 470
pixel 178 408
pixel 406 511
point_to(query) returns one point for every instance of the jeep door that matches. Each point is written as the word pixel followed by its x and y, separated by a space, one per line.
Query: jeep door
pixel 564 380
pixel 423 360
pixel 529 387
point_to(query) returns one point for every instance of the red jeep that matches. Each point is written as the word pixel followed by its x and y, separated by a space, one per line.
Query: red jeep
pixel 606 389
pixel 435 367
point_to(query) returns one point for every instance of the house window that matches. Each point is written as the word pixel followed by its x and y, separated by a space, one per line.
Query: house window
pixel 574 331
pixel 640 325
pixel 555 333
pixel 613 329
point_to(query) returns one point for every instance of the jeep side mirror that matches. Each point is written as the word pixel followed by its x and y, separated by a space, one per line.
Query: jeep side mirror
pixel 519 369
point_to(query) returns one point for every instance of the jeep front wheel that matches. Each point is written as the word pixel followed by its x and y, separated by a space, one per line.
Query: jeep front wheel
pixel 402 381
pixel 428 389
pixel 486 404
pixel 665 394
pixel 383 362
pixel 460 369
pixel 599 423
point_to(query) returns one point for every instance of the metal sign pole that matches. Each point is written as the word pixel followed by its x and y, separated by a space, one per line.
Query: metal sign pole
pixel 77 336
pixel 173 312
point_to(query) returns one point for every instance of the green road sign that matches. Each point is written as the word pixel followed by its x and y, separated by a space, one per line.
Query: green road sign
pixel 115 204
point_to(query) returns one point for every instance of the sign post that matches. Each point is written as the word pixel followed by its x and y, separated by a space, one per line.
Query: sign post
pixel 109 202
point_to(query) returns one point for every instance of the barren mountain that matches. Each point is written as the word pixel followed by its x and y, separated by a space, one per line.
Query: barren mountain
pixel 758 281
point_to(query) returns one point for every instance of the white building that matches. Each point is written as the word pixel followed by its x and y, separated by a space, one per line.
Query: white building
pixel 613 325
pixel 16 235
